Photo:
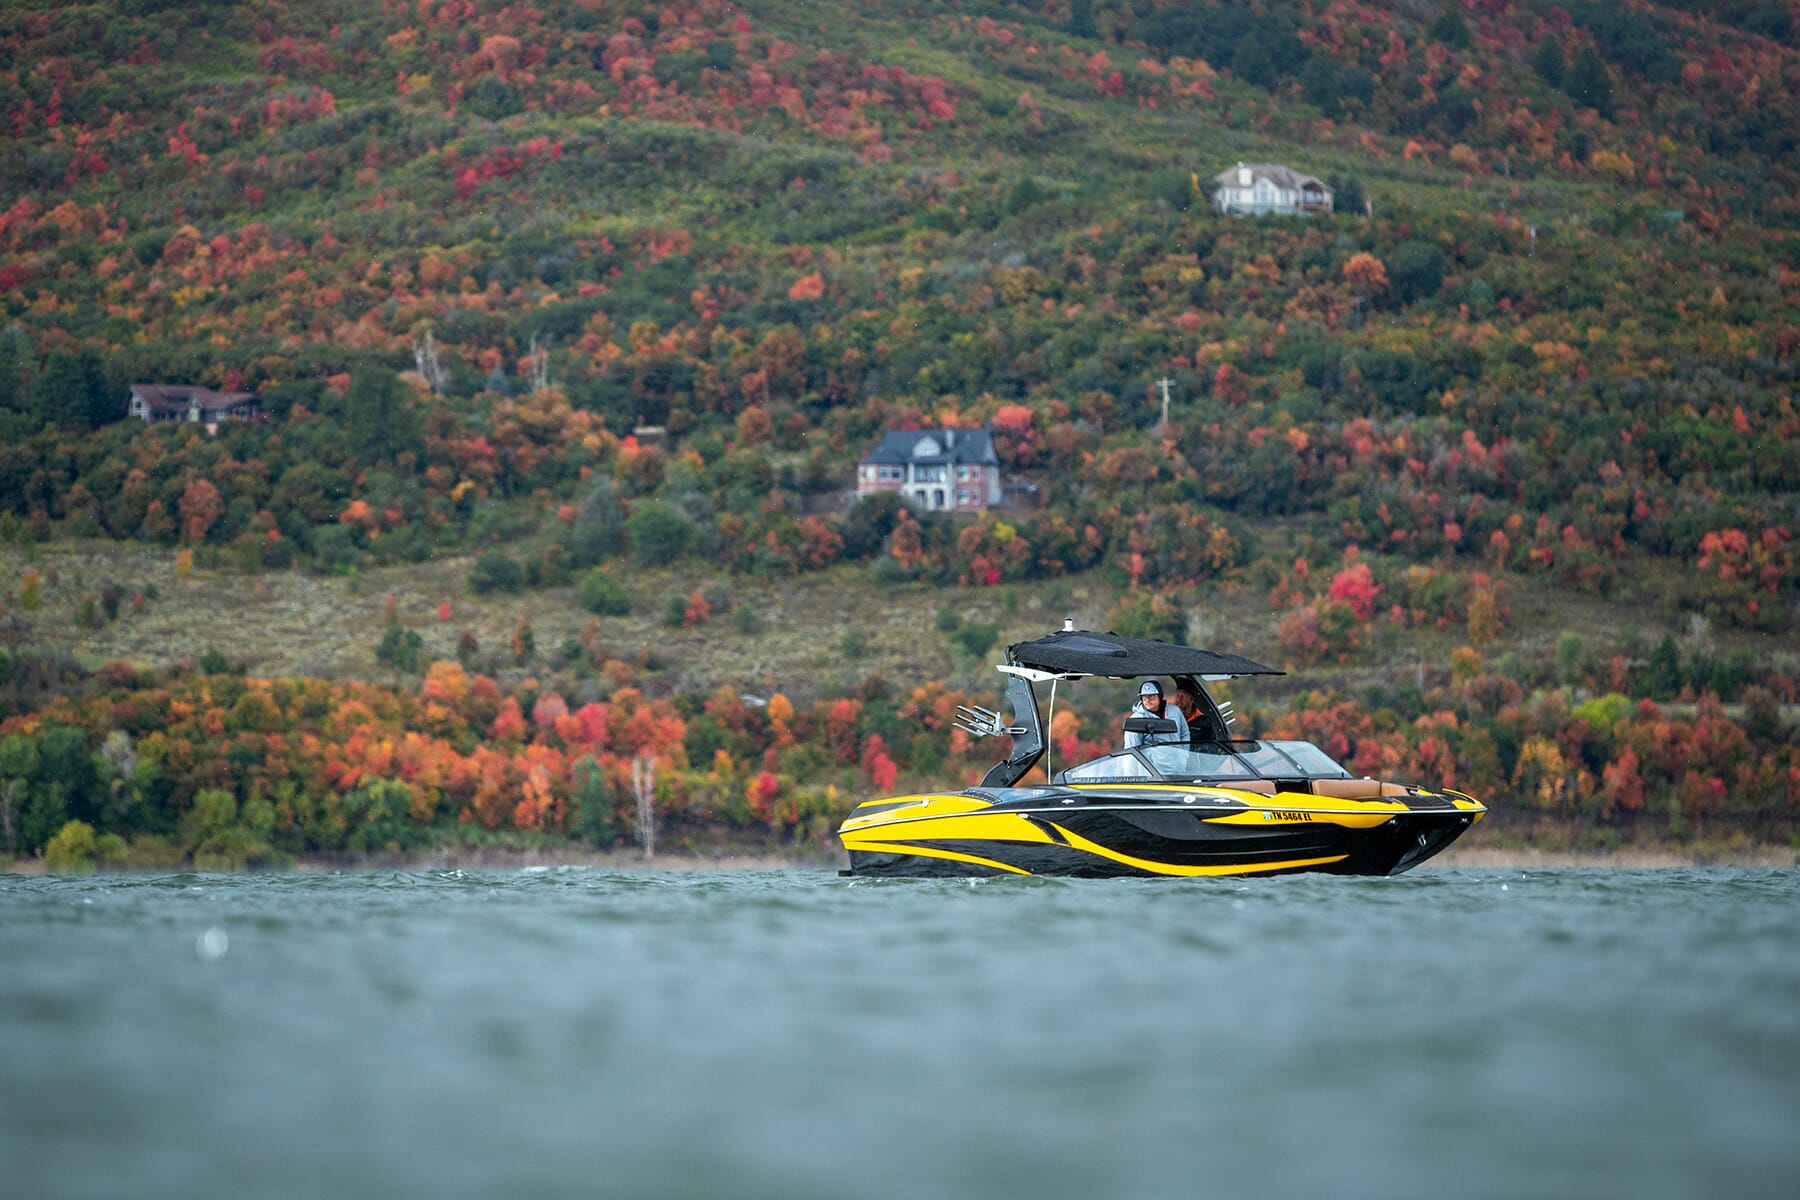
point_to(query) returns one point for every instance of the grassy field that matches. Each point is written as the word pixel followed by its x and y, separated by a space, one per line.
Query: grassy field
pixel 285 623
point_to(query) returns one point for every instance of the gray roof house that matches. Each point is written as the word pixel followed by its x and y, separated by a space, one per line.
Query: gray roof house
pixel 153 402
pixel 1249 189
pixel 949 470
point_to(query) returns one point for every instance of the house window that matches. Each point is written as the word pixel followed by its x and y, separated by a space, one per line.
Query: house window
pixel 962 496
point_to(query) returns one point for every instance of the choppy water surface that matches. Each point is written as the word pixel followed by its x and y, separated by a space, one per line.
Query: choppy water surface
pixel 790 1033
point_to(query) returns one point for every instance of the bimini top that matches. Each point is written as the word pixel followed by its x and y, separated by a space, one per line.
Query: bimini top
pixel 1081 652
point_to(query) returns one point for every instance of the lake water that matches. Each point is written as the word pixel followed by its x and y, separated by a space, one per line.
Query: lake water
pixel 576 1032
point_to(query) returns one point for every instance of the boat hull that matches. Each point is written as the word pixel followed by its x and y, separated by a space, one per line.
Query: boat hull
pixel 1163 831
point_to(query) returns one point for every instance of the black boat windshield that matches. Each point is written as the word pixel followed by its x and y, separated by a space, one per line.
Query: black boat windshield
pixel 1212 762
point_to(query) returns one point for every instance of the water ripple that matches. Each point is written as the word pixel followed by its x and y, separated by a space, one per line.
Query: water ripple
pixel 648 1033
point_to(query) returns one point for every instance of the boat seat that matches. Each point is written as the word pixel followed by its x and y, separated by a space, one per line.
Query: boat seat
pixel 1356 789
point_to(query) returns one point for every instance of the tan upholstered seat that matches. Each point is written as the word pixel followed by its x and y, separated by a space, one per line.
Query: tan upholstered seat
pixel 1356 789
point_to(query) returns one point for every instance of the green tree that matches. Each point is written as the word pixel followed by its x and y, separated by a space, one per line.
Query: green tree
pixel 595 804
pixel 1547 60
pixel 1147 615
pixel 1252 63
pixel 18 364
pixel 1025 194
pixel 976 638
pixel 1175 187
pixel 71 851
pixel 18 764
pixel 379 817
pixel 601 593
pixel 659 534
pixel 599 531
pixel 1450 29
pixel 1588 83
pixel 46 811
pixel 105 403
pixel 64 760
pixel 1347 195
pixel 1663 675
pixel 870 522
pixel 382 420
pixel 1415 272
pixel 1081 19
pixel 1568 657
pixel 216 835
pixel 60 393
pixel 496 572
pixel 400 647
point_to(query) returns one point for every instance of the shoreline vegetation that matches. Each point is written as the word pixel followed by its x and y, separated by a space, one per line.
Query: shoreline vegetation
pixel 564 359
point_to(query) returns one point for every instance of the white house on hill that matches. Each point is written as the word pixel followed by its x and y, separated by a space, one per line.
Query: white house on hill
pixel 1250 189
pixel 951 470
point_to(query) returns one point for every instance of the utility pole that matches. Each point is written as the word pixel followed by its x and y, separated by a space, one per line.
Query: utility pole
pixel 1165 383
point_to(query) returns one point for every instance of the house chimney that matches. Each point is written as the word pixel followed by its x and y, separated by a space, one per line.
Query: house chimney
pixel 1243 175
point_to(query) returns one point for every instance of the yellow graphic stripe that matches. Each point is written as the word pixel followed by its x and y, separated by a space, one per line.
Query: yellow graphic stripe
pixel 1466 803
pixel 934 852
pixel 902 808
pixel 985 827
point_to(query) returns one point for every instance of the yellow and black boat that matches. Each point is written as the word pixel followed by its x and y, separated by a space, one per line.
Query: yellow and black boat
pixel 1206 804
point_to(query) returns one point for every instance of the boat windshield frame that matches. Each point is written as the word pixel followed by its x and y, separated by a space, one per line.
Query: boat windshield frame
pixel 1245 761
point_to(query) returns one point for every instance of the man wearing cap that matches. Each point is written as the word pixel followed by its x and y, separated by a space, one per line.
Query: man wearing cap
pixel 1150 704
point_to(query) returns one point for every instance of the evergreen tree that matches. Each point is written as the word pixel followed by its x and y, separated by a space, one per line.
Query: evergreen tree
pixel 18 363
pixel 59 395
pixel 595 804
pixel 1253 64
pixel 1588 83
pixel 381 420
pixel 1347 195
pixel 1547 61
pixel 1664 672
pixel 1415 272
pixel 1450 29
pixel 1081 19
pixel 104 405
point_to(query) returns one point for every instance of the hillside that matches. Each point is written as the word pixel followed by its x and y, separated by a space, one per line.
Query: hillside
pixel 1539 365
